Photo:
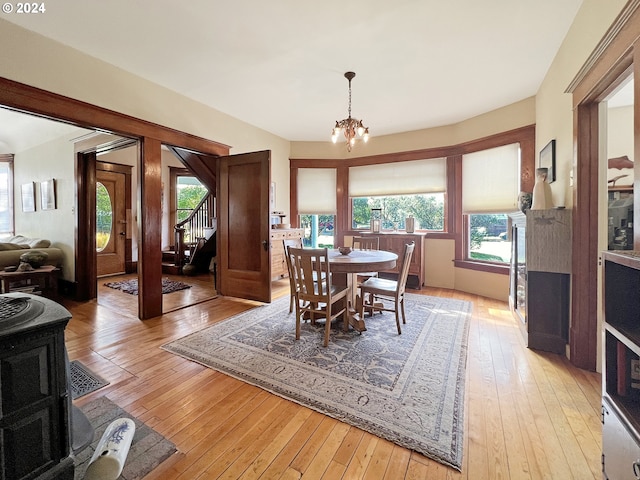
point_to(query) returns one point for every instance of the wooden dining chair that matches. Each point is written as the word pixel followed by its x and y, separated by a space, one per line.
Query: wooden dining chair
pixel 378 292
pixel 316 297
pixel 366 243
pixel 295 243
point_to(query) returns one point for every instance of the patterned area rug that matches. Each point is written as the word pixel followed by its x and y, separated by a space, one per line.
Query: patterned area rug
pixel 406 388
pixel 131 286
pixel 83 380
pixel 148 448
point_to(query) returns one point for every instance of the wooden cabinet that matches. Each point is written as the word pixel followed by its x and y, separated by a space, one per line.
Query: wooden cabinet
pixel 621 369
pixel 395 242
pixel 540 277
pixel 34 412
pixel 279 239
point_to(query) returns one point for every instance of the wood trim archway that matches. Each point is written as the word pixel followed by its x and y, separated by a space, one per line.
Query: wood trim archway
pixel 27 99
pixel 610 63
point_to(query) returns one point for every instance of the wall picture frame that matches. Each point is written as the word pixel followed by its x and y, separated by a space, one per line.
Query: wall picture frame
pixel 548 160
pixel 48 194
pixel 28 194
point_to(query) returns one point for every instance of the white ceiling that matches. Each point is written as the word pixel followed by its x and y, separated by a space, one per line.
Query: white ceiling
pixel 279 64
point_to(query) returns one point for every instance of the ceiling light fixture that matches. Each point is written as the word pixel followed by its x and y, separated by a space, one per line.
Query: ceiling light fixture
pixel 351 127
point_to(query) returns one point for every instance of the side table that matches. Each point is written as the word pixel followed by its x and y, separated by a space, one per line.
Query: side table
pixel 44 278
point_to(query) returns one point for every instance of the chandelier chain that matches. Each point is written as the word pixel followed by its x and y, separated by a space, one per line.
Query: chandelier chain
pixel 349 98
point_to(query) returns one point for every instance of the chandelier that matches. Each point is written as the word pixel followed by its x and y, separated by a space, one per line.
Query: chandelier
pixel 351 127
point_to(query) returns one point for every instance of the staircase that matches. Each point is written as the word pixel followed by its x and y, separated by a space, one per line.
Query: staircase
pixel 195 237
pixel 194 241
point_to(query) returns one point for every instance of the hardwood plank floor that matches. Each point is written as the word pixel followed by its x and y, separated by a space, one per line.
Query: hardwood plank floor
pixel 528 414
pixel 202 289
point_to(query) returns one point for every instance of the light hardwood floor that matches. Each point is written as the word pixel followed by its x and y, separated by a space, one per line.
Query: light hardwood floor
pixel 528 415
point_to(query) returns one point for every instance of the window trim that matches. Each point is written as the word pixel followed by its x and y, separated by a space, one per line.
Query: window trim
pixel 474 264
pixel 526 138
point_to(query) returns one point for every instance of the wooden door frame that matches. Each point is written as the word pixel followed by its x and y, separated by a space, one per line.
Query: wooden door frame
pixel 27 99
pixel 86 270
pixel 615 57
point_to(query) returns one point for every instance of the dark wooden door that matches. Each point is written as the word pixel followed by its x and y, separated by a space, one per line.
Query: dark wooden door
pixel 244 268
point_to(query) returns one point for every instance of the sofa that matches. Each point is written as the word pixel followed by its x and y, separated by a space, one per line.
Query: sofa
pixel 12 247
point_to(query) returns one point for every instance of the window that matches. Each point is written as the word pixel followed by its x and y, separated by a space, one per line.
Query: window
pixel 427 209
pixel 185 194
pixel 490 180
pixel 189 193
pixel 400 189
pixel 488 238
pixel 104 217
pixel 6 195
pixel 319 231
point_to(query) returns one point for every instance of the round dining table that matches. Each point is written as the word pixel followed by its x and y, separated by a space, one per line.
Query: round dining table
pixel 344 271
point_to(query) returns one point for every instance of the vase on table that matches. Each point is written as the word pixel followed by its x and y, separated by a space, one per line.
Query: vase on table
pixel 542 199
pixel 410 224
pixel 524 201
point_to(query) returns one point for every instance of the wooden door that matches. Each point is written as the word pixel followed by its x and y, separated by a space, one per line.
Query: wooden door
pixel 111 222
pixel 244 268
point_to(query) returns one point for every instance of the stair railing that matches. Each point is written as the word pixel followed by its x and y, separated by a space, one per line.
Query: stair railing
pixel 188 231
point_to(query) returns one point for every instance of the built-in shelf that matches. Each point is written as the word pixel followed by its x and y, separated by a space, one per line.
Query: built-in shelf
pixel 621 369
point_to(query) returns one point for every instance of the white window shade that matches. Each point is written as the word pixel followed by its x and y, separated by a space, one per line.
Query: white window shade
pixel 490 182
pixel 317 191
pixel 400 178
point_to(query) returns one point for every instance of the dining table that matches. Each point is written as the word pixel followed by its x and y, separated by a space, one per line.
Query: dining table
pixel 344 271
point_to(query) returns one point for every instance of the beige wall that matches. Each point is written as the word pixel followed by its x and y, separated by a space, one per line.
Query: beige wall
pixel 554 108
pixel 439 255
pixel 34 60
pixel 551 111
pixel 26 56
pixel 49 160
pixel 512 116
pixel 554 112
